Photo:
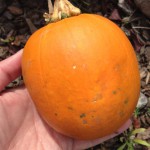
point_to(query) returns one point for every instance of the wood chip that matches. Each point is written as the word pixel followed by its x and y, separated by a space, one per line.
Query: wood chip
pixel 15 10
pixel 147 78
pixel 31 25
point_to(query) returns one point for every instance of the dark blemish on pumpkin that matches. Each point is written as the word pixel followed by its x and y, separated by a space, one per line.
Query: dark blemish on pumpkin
pixel 119 89
pixel 114 92
pixel 82 115
pixel 56 114
pixel 126 101
pixel 84 121
pixel 70 108
pixel 92 116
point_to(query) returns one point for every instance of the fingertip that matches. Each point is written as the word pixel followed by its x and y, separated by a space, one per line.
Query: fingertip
pixel 10 69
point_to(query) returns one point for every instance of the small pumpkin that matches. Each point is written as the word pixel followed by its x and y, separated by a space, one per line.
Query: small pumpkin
pixel 82 74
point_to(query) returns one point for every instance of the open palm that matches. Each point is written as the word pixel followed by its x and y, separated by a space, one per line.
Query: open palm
pixel 21 127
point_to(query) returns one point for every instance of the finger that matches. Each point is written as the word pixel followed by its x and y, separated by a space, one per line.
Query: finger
pixel 10 69
pixel 86 144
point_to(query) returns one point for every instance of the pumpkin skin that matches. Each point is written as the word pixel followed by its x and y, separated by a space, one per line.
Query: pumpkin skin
pixel 82 74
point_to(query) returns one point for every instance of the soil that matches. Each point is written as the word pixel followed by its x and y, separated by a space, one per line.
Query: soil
pixel 19 19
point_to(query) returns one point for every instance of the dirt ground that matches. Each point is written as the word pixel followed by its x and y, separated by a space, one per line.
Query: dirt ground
pixel 20 18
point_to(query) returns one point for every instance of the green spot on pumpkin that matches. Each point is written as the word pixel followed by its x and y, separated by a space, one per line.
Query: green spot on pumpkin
pixel 70 108
pixel 126 101
pixel 114 92
pixel 82 115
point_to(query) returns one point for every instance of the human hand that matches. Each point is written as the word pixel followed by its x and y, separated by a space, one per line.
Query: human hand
pixel 21 127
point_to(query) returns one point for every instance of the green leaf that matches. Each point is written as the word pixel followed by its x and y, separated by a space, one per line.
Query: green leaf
pixel 8 40
pixel 130 146
pixel 122 139
pixel 136 112
pixel 139 130
pixel 122 147
pixel 142 142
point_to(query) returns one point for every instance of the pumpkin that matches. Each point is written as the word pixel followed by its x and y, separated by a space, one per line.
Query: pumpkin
pixel 82 74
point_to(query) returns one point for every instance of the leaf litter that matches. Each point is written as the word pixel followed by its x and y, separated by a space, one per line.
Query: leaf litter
pixel 19 19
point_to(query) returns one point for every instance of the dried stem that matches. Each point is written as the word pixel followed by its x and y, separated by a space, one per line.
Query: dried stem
pixel 62 9
pixel 50 7
pixel 31 25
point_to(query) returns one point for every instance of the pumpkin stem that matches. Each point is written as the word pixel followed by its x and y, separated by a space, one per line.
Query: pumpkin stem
pixel 62 9
pixel 50 7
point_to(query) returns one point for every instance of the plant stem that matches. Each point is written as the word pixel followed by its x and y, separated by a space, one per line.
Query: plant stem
pixel 62 9
pixel 50 7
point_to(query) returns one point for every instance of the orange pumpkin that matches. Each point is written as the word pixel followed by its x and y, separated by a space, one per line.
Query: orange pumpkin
pixel 82 74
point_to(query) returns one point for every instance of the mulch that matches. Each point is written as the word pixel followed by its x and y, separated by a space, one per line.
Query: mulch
pixel 19 19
